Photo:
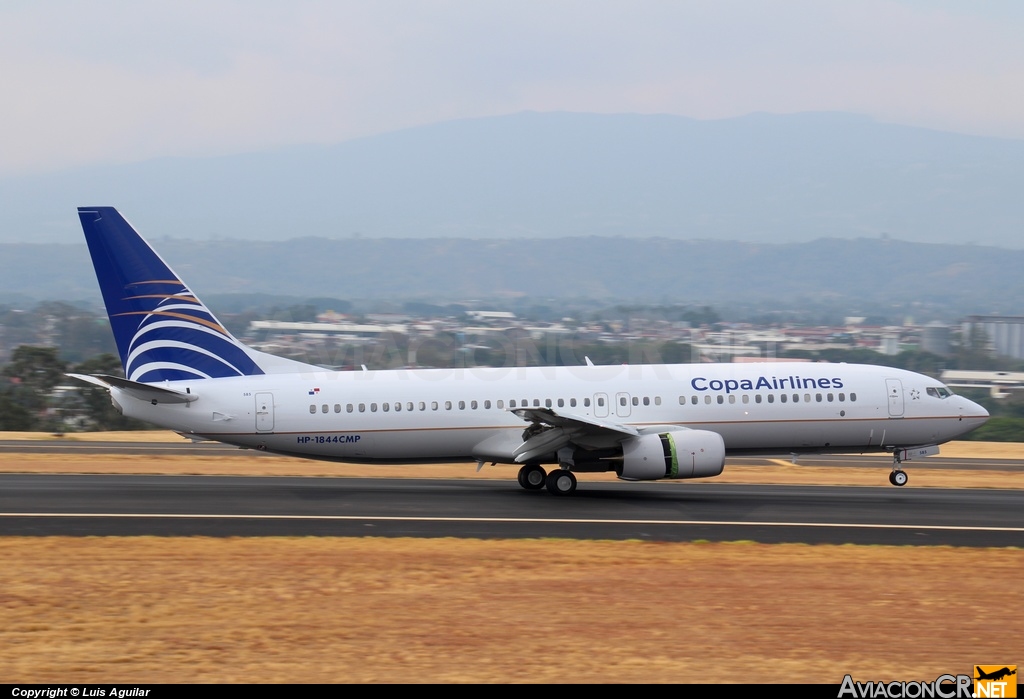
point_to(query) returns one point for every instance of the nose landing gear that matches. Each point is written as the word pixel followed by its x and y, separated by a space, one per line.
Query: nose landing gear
pixel 898 476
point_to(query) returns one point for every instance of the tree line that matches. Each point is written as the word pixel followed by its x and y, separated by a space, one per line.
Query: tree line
pixel 31 402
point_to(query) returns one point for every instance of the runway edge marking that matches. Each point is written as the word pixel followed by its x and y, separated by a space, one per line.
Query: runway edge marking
pixel 516 520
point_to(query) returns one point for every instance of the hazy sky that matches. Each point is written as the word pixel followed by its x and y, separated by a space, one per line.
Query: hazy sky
pixel 105 81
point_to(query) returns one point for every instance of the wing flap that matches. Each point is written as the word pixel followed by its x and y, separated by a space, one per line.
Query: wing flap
pixel 563 430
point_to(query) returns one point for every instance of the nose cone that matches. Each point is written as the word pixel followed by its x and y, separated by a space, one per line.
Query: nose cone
pixel 972 415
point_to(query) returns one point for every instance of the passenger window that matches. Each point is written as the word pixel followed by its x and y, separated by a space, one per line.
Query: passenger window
pixel 324 408
pixel 349 408
pixel 771 397
pixel 781 398
pixel 373 407
pixel 657 400
pixel 829 397
pixel 732 399
pixel 693 400
pixel 757 398
pixel 817 397
pixel 547 402
pixel 337 407
pixel 447 405
pixel 707 400
pixel 362 407
pixel 501 405
pixel 409 406
pixel 561 402
pixel 433 405
pixel 807 398
pixel 398 407
pixel 462 405
pixel 622 400
pixel 312 410
pixel 385 407
pixel 600 402
pixel 586 402
pixel 721 400
pixel 853 397
pixel 423 405
pixel 473 405
pixel 746 398
pixel 682 400
pixel 512 404
pixel 647 401
pixel 536 402
pixel 572 402
pixel 636 401
pixel 842 397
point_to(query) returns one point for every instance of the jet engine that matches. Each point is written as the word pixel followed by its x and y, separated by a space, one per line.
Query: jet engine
pixel 677 454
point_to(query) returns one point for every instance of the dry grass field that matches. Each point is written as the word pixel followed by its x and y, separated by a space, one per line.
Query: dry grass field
pixel 146 609
pixel 445 610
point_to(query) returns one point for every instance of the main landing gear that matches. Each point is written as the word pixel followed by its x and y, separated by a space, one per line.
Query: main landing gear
pixel 559 482
pixel 532 477
pixel 898 476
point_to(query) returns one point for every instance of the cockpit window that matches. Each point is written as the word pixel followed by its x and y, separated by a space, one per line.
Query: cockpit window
pixel 939 392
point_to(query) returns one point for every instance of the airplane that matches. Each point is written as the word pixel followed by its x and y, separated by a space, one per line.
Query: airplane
pixel 184 371
pixel 994 675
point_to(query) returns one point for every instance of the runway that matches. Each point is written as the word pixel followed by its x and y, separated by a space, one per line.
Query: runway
pixel 201 449
pixel 219 506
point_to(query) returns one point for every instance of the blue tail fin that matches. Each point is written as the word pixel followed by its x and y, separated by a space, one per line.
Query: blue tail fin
pixel 163 332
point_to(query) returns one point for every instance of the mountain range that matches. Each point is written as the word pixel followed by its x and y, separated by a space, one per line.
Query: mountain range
pixel 527 177
pixel 945 280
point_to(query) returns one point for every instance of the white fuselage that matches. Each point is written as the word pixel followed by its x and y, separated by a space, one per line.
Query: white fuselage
pixel 465 414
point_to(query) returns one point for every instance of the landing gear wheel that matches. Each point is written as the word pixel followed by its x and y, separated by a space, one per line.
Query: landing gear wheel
pixel 532 477
pixel 898 478
pixel 561 482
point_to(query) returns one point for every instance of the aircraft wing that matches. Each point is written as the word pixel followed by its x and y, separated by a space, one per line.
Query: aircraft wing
pixel 557 431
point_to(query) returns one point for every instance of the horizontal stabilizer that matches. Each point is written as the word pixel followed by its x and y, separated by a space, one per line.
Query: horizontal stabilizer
pixel 195 438
pixel 142 391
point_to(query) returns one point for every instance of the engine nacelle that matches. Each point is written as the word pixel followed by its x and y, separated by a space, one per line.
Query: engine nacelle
pixel 678 454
